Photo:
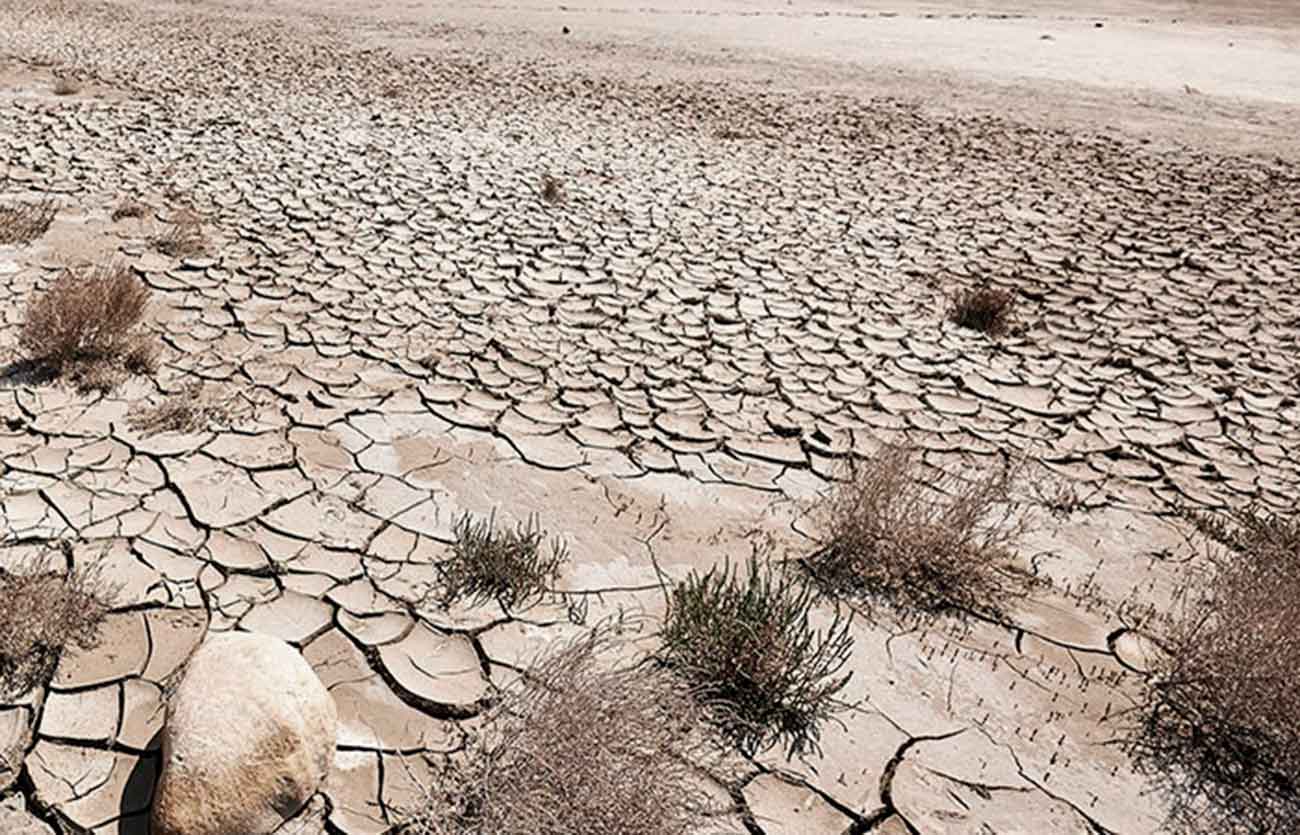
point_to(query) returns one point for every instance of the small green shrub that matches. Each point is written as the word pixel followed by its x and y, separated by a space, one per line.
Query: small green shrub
pixel 743 640
pixel 511 566
pixel 44 607
pixel 921 543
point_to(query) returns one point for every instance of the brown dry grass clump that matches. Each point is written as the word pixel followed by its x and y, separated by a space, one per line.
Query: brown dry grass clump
pixel 1219 729
pixel 45 607
pixel 920 542
pixel 985 309
pixel 185 238
pixel 129 208
pixel 582 744
pixel 65 86
pixel 189 410
pixel 511 566
pixel 552 190
pixel 745 644
pixel 87 326
pixel 22 223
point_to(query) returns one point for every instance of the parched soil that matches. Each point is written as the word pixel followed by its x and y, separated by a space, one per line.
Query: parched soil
pixel 748 279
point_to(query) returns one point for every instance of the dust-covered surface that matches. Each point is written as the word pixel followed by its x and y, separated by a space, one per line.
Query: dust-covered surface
pixel 738 277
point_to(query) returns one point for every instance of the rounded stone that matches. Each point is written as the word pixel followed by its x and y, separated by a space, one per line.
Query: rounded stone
pixel 247 740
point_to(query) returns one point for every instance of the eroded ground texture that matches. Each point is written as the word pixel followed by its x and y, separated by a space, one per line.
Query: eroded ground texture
pixel 740 288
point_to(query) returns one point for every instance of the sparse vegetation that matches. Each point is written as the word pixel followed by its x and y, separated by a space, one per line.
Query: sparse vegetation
pixel 64 86
pixel 580 745
pixel 511 566
pixel 552 190
pixel 22 223
pixel 985 309
pixel 184 239
pixel 926 543
pixel 129 208
pixel 189 410
pixel 744 641
pixel 87 326
pixel 45 606
pixel 1219 728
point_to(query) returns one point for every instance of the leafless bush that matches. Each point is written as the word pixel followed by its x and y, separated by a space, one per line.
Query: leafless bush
pixel 985 309
pixel 87 325
pixel 22 223
pixel 44 607
pixel 928 544
pixel 184 239
pixel 189 410
pixel 1219 728
pixel 582 745
pixel 744 641
pixel 509 565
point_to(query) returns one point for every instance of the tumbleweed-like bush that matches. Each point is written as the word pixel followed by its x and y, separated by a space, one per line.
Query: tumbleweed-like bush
pixel 743 640
pixel 184 238
pixel 512 566
pixel 129 208
pixel 1218 730
pixel 985 309
pixel 88 325
pixel 552 189
pixel 22 223
pixel 922 542
pixel 44 607
pixel 582 744
pixel 64 86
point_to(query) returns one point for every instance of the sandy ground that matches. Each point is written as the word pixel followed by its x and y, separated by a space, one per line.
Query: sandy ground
pixel 767 210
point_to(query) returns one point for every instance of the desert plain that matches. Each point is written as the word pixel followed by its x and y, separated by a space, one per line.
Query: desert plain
pixel 650 275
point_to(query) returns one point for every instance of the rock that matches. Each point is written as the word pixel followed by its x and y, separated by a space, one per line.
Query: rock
pixel 248 739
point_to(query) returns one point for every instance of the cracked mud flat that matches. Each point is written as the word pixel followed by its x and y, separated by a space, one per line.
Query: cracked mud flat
pixel 743 287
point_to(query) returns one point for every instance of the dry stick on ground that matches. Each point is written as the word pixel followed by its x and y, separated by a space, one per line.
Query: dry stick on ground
pixel 45 606
pixel 582 744
pixel 743 640
pixel 22 223
pixel 1219 728
pixel 88 326
pixel 985 309
pixel 923 544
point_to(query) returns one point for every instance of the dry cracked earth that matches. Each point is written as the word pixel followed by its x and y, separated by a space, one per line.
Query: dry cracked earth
pixel 392 326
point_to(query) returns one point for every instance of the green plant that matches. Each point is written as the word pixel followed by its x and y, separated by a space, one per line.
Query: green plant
pixel 744 641
pixel 87 325
pixel 1218 729
pixel 43 609
pixel 510 566
pixel 22 223
pixel 985 309
pixel 580 744
pixel 928 544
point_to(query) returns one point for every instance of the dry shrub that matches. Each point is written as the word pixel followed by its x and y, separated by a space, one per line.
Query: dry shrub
pixel 744 642
pixel 129 208
pixel 87 326
pixel 44 607
pixel 511 566
pixel 1219 728
pixel 22 223
pixel 985 309
pixel 189 410
pixel 581 745
pixel 925 544
pixel 65 86
pixel 552 190
pixel 184 239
